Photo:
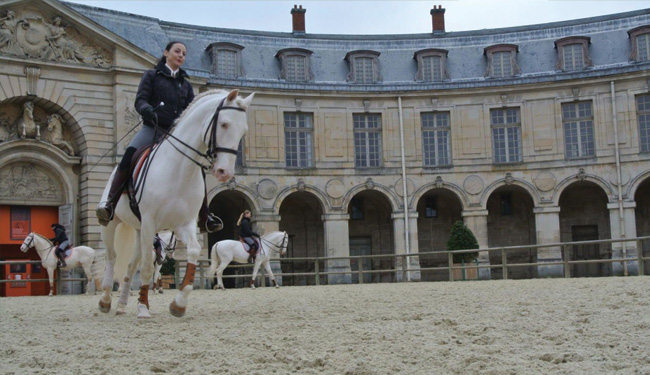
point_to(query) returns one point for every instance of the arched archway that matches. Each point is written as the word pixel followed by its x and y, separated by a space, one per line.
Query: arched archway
pixel 371 233
pixel 511 222
pixel 583 217
pixel 301 217
pixel 438 210
pixel 642 215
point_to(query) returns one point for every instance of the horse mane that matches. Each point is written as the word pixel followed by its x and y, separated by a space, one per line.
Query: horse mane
pixel 198 99
pixel 43 237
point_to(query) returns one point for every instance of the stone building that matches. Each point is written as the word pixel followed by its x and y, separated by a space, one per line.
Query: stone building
pixel 357 144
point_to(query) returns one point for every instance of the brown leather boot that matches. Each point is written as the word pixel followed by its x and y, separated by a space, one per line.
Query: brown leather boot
pixel 252 254
pixel 106 210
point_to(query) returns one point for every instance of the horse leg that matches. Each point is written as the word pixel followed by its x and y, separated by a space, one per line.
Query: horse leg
pixel 128 278
pixel 147 269
pixel 256 268
pixel 187 235
pixel 89 276
pixel 267 267
pixel 222 266
pixel 108 236
pixel 50 275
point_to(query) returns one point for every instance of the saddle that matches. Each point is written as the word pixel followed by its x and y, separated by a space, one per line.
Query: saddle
pixel 139 164
pixel 247 247
pixel 67 251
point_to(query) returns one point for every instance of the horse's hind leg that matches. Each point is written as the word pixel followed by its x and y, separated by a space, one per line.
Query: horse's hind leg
pixel 267 267
pixel 108 235
pixel 89 276
pixel 256 268
pixel 222 266
pixel 126 286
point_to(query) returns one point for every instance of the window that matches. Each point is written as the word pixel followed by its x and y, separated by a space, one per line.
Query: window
pixel 364 66
pixel 21 223
pixel 578 123
pixel 501 61
pixel 431 208
pixel 239 162
pixel 573 53
pixel 506 135
pixel 436 142
pixel 295 64
pixel 640 38
pixel 367 140
pixel 643 113
pixel 431 65
pixel 506 204
pixel 226 59
pixel 298 135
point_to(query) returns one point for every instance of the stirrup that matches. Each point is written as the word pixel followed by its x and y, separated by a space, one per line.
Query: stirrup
pixel 104 213
pixel 212 224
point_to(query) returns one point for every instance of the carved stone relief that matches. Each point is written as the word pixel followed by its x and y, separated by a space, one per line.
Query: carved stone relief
pixel 545 181
pixel 30 34
pixel 26 182
pixel 473 184
pixel 399 187
pixel 267 188
pixel 27 120
pixel 335 188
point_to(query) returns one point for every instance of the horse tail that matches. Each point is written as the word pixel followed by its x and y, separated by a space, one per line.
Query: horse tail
pixel 214 260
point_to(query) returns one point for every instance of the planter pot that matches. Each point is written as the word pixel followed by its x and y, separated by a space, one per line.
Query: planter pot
pixel 467 273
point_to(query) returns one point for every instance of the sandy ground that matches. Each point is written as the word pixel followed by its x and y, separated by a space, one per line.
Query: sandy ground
pixel 576 326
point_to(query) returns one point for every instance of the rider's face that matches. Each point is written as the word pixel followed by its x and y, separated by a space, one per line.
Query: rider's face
pixel 176 55
pixel 248 215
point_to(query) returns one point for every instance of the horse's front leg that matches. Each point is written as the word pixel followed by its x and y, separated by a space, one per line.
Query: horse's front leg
pixel 147 269
pixel 256 268
pixel 187 235
pixel 128 278
pixel 267 267
pixel 108 235
pixel 50 275
pixel 38 132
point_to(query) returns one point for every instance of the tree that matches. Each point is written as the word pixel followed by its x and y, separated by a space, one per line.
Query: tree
pixel 462 238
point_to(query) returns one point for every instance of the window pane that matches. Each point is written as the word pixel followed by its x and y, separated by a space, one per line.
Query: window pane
pixel 431 69
pixel 577 119
pixel 227 63
pixel 295 68
pixel 506 135
pixel 573 59
pixel 643 47
pixel 643 113
pixel 501 64
pixel 363 70
pixel 298 133
pixel 367 140
pixel 436 138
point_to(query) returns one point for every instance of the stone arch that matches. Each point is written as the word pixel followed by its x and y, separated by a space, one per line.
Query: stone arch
pixel 72 129
pixel 453 188
pixel 319 194
pixel 525 185
pixel 393 199
pixel 249 195
pixel 581 176
pixel 637 181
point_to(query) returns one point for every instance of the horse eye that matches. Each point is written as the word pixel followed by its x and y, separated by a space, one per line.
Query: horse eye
pixel 224 125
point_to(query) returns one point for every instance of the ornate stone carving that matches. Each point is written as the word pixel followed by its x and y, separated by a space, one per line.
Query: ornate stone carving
pixel 232 184
pixel 335 188
pixel 473 184
pixel 300 186
pixel 5 127
pixel 438 182
pixel 545 181
pixel 509 180
pixel 32 73
pixel 25 125
pixel 32 36
pixel 55 134
pixel 267 188
pixel 399 187
pixel 370 184
pixel 581 174
pixel 26 182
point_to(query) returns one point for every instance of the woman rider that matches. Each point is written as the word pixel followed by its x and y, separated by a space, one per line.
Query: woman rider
pixel 163 94
pixel 246 232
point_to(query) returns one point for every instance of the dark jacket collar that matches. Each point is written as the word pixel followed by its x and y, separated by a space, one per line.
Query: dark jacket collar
pixel 163 69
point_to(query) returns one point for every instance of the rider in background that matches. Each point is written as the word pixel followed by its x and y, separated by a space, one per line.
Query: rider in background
pixel 163 94
pixel 61 240
pixel 246 232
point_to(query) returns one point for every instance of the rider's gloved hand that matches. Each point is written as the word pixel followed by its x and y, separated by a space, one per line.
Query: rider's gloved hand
pixel 149 115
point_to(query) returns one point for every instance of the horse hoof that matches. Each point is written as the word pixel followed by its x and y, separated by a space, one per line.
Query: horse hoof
pixel 143 311
pixel 176 310
pixel 104 306
pixel 277 287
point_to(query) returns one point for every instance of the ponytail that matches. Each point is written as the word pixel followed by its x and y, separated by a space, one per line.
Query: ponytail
pixel 241 217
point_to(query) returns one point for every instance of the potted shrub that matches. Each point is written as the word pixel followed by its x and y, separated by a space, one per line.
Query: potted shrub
pixel 167 273
pixel 462 238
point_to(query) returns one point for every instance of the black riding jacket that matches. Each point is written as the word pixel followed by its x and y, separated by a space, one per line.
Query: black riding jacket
pixel 157 85
pixel 245 228
pixel 59 234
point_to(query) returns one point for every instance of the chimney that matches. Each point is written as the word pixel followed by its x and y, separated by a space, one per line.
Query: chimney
pixel 438 19
pixel 298 16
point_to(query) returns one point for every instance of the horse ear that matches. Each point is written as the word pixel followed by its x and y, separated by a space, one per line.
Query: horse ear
pixel 233 95
pixel 246 102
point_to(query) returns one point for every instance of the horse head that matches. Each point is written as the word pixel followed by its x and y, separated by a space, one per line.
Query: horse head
pixel 28 108
pixel 28 243
pixel 230 126
pixel 54 122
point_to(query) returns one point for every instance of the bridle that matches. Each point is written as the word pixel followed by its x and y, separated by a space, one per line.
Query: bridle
pixel 169 249
pixel 213 147
pixel 278 248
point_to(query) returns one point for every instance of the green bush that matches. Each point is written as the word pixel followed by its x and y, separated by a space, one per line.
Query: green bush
pixel 168 267
pixel 462 238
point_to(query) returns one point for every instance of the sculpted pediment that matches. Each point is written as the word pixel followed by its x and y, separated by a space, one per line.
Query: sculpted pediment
pixel 45 34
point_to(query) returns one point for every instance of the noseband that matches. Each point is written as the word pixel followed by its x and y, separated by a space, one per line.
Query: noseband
pixel 281 245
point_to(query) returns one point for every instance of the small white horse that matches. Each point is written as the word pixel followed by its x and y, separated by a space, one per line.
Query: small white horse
pixel 224 252
pixel 55 137
pixel 26 126
pixel 80 255
pixel 205 137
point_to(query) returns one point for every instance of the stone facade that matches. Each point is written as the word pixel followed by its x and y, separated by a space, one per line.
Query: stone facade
pixel 84 64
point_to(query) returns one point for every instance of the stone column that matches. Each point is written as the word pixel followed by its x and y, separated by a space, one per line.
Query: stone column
pixel 399 228
pixel 476 221
pixel 547 230
pixel 626 249
pixel 337 244
pixel 267 223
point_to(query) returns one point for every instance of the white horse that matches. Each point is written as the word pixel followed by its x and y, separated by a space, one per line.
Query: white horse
pixel 80 255
pixel 224 252
pixel 55 137
pixel 26 126
pixel 205 136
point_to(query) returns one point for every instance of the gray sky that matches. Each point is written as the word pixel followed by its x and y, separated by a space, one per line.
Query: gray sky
pixel 368 17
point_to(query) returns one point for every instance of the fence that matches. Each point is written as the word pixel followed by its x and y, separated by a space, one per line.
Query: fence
pixel 404 266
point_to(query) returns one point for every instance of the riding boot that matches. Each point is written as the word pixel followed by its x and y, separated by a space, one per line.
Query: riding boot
pixel 106 210
pixel 62 263
pixel 252 254
pixel 207 221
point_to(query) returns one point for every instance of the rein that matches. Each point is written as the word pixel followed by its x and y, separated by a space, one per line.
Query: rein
pixel 277 248
pixel 49 250
pixel 213 148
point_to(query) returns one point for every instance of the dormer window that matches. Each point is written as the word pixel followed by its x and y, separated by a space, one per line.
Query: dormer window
pixel 573 53
pixel 432 65
pixel 364 66
pixel 226 60
pixel 640 38
pixel 501 61
pixel 295 64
